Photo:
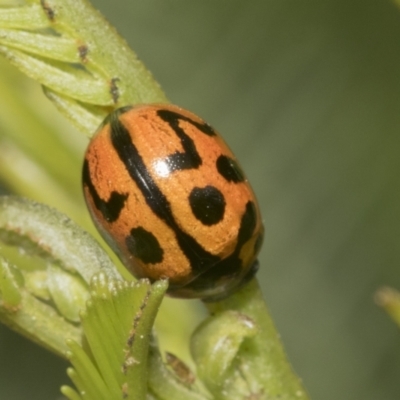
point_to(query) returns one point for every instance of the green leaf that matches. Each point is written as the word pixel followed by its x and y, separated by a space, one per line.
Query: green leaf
pixel 68 292
pixel 38 321
pixel 60 48
pixel 215 345
pixel 239 353
pixel 85 117
pixel 49 234
pixel 165 385
pixel 62 77
pixel 9 286
pixel 44 285
pixel 30 16
pixel 117 325
pixel 79 56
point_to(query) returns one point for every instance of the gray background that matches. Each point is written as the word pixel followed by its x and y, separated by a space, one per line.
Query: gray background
pixel 307 94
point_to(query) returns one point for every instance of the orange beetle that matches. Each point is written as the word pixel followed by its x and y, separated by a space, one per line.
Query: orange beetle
pixel 171 200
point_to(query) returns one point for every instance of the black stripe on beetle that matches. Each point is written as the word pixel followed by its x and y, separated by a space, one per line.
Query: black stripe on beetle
pixel 199 258
pixel 231 265
pixel 110 209
pixel 190 158
pixel 115 114
pixel 173 119
pixel 247 224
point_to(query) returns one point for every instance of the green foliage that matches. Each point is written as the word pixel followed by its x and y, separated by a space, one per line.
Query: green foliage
pixel 47 40
pixel 215 345
pixel 117 325
pixel 45 282
pixel 239 353
pixel 63 291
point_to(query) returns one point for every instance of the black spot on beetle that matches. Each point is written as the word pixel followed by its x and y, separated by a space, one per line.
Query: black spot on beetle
pixel 229 169
pixel 111 208
pixel 207 204
pixel 143 245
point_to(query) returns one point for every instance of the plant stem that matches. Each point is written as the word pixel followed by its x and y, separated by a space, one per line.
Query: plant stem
pixel 265 356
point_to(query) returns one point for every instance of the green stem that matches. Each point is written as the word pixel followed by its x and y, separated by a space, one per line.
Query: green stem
pixel 265 356
pixel 41 323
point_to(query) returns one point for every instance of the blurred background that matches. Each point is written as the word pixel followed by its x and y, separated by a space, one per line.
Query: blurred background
pixel 307 94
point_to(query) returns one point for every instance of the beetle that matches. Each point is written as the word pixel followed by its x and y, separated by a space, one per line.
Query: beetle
pixel 172 201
